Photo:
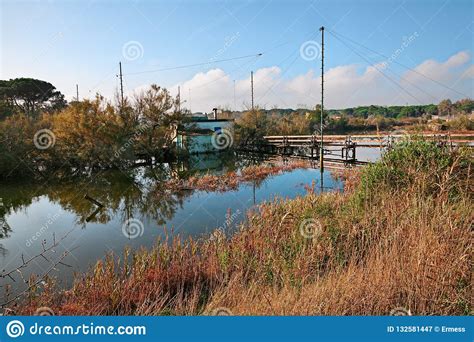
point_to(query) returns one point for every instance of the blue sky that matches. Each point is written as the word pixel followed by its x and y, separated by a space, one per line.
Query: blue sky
pixel 69 42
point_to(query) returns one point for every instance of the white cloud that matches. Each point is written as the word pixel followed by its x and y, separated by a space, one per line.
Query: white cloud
pixel 345 86
pixel 446 72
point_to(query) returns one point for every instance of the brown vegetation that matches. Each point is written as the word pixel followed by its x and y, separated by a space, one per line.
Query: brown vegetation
pixel 89 135
pixel 401 237
pixel 231 180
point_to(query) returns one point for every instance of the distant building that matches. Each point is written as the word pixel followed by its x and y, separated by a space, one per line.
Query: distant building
pixel 205 134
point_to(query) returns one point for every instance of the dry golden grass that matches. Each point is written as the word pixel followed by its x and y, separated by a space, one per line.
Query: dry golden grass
pixel 401 237
pixel 415 257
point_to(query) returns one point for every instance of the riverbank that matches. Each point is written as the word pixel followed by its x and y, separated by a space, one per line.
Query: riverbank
pixel 399 236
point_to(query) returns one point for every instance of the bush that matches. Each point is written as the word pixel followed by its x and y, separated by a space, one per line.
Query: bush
pixel 424 167
pixel 461 122
pixel 90 135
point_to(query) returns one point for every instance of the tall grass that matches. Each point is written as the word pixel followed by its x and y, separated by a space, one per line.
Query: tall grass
pixel 401 236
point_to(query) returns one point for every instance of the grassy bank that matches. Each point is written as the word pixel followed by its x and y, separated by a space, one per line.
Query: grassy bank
pixel 400 236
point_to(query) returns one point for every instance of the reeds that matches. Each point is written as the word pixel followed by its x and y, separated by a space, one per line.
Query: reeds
pixel 401 237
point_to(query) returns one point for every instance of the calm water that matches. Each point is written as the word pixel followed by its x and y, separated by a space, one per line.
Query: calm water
pixel 31 214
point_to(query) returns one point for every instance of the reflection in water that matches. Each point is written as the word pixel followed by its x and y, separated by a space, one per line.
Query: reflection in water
pixel 142 190
pixel 4 228
pixel 3 250
pixel 33 214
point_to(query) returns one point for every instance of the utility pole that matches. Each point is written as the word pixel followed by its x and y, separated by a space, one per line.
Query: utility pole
pixel 251 87
pixel 121 83
pixel 321 155
pixel 77 92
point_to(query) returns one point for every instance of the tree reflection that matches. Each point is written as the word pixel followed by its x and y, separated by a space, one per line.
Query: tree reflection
pixel 139 191
pixel 5 229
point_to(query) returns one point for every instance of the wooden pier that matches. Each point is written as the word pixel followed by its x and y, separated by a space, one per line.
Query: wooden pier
pixel 342 148
pixel 366 140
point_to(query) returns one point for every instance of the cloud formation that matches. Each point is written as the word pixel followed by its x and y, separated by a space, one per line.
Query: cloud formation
pixel 345 86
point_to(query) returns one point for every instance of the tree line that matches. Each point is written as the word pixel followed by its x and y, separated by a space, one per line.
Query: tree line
pixel 252 125
pixel 444 108
pixel 29 96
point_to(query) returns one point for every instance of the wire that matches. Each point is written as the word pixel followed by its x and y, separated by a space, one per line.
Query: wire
pixel 402 65
pixel 193 65
pixel 403 78
pixel 378 69
pixel 240 67
pixel 311 35
pixel 278 82
pixel 112 74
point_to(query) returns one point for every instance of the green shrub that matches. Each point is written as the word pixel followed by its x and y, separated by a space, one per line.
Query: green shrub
pixel 415 165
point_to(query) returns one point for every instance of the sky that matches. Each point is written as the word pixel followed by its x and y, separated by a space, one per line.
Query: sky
pixel 390 52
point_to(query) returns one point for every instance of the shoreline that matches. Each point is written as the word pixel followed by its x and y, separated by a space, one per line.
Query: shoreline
pixel 386 242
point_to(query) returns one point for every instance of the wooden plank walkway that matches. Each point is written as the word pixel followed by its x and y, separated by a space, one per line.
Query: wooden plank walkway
pixel 364 140
pixel 342 148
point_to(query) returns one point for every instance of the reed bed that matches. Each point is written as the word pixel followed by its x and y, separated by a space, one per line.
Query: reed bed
pixel 399 236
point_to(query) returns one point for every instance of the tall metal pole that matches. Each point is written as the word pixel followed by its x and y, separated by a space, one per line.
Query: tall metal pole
pixel 321 156
pixel 121 83
pixel 251 87
pixel 77 92
pixel 179 98
pixel 254 194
